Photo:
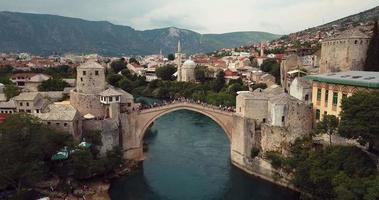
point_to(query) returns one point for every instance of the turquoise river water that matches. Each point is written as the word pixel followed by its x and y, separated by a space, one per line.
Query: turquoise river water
pixel 188 157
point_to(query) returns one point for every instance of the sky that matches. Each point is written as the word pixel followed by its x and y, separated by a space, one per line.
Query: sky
pixel 204 16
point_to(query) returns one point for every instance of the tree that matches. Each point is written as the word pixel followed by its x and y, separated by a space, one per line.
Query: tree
pixel 328 125
pixel 166 72
pixel 360 117
pixel 118 65
pixel 26 147
pixel 272 67
pixel 53 84
pixel 126 84
pixel 11 90
pixel 113 79
pixel 133 60
pixel 201 73
pixel 372 59
pixel 171 56
pixel 219 82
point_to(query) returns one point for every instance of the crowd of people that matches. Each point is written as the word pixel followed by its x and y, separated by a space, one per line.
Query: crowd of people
pixel 186 100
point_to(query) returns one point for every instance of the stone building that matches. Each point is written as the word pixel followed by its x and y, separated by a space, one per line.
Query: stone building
pixel 346 52
pixel 62 117
pixel 329 89
pixel 29 81
pixel 290 63
pixel 301 89
pixel 30 102
pixel 188 71
pixel 90 82
pixel 278 117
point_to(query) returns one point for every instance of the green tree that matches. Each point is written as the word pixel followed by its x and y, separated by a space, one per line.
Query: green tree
pixel 26 147
pixel 53 84
pixel 328 125
pixel 372 59
pixel 202 73
pixel 166 72
pixel 133 60
pixel 272 67
pixel 219 82
pixel 82 164
pixel 171 56
pixel 113 79
pixel 359 118
pixel 118 65
pixel 126 84
pixel 11 90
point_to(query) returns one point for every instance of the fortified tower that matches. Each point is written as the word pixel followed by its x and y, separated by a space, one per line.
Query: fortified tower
pixel 90 82
pixel 346 52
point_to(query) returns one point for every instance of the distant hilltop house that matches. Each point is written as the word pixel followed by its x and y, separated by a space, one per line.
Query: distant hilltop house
pixel 329 89
pixel 29 81
pixel 345 52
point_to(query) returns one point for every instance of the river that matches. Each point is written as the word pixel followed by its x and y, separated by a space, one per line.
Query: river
pixel 188 157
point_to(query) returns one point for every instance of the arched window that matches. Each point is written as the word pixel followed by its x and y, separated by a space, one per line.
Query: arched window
pixel 356 41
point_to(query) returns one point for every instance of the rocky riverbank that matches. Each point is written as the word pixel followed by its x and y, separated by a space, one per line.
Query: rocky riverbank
pixel 95 188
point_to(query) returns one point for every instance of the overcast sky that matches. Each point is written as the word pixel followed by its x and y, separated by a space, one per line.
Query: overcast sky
pixel 204 16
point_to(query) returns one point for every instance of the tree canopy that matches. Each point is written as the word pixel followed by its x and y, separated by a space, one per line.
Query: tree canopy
pixel 26 147
pixel 272 67
pixel 166 72
pixel 360 117
pixel 171 56
pixel 53 84
pixel 328 125
pixel 118 65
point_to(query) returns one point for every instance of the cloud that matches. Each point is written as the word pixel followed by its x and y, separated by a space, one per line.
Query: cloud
pixel 205 16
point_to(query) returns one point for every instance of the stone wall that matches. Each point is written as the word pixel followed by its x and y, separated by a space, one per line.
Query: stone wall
pixel 87 103
pixel 109 132
pixel 343 55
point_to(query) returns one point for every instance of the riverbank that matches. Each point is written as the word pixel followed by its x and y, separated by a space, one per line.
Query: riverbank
pixel 95 188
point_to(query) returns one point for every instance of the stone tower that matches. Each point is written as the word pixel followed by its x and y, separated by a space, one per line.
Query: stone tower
pixel 90 78
pixel 90 82
pixel 346 52
pixel 179 62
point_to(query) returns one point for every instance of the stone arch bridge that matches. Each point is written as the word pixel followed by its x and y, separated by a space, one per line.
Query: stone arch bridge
pixel 139 121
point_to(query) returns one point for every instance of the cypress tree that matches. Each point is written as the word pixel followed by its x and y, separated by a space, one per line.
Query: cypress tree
pixel 372 59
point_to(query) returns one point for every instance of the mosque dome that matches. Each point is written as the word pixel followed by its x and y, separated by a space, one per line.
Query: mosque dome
pixel 189 64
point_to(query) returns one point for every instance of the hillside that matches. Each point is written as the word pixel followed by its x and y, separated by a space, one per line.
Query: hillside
pixel 47 34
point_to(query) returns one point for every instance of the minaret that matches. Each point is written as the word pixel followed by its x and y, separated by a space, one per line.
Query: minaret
pixel 262 50
pixel 179 57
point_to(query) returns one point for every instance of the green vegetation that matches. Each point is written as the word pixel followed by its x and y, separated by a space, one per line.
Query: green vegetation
pixel 272 67
pixel 61 71
pixel 360 117
pixel 328 125
pixel 372 61
pixel 118 65
pixel 202 73
pixel 335 172
pixel 11 90
pixel 53 84
pixel 171 56
pixel 26 148
pixel 166 72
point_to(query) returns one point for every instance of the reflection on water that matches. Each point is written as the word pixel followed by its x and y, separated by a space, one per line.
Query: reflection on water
pixel 189 158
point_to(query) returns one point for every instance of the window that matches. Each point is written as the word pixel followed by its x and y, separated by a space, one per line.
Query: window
pixel 318 94
pixel 356 42
pixel 283 118
pixel 64 124
pixel 110 99
pixel 84 73
pixel 27 103
pixel 325 113
pixel 96 73
pixel 48 123
pixel 317 114
pixel 21 110
pixel 264 120
pixel 306 97
pixel 335 98
pixel 28 111
pixel 37 111
pixel 326 96
pixel 344 96
pixel 81 79
pixel 117 98
pixel 20 103
pixel 129 104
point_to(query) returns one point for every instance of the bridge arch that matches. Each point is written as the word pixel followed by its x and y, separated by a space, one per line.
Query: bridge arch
pixel 190 108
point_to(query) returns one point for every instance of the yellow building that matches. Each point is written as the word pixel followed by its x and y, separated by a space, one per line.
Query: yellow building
pixel 328 90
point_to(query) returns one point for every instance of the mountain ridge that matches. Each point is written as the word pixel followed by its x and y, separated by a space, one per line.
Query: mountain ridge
pixel 45 34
